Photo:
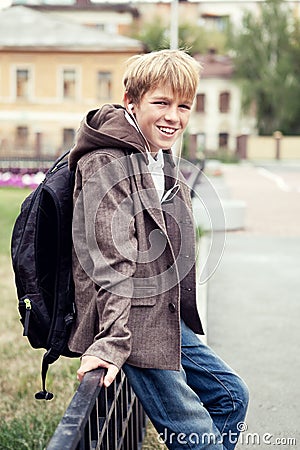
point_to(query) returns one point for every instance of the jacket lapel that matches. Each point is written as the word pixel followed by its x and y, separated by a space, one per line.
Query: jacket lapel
pixel 146 190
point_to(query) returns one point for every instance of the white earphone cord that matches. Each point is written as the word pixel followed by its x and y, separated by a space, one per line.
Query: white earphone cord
pixel 176 184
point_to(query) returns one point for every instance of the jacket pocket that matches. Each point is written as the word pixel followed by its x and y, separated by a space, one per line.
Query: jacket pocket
pixel 144 292
pixel 144 301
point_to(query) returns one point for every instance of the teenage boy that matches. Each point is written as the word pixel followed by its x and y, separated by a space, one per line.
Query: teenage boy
pixel 134 259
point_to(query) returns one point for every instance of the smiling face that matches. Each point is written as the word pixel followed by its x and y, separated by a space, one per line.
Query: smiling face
pixel 162 117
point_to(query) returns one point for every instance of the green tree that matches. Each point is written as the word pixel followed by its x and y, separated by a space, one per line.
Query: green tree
pixel 264 51
pixel 153 35
pixel 295 93
pixel 192 38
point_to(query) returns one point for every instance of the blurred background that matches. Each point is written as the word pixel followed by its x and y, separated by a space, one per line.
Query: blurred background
pixel 61 58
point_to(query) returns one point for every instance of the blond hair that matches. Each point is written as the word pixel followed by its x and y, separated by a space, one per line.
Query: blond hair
pixel 173 68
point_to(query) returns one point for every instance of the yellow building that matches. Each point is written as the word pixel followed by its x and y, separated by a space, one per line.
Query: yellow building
pixel 51 73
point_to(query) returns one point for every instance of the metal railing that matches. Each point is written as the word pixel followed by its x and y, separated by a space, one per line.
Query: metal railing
pixel 101 419
pixel 16 164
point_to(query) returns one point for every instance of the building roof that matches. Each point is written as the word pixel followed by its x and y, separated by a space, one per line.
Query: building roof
pixel 216 66
pixel 25 29
pixel 80 5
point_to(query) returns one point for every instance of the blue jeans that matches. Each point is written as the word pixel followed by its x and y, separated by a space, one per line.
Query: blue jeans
pixel 202 406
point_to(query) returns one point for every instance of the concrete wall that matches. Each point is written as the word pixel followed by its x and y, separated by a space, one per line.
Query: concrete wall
pixel 265 147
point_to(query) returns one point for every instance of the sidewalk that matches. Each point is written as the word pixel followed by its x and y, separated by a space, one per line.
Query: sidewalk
pixel 253 313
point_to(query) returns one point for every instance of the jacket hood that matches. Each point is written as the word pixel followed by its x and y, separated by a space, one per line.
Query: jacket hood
pixel 108 127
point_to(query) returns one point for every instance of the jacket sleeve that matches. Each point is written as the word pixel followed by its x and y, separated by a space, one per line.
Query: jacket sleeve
pixel 107 249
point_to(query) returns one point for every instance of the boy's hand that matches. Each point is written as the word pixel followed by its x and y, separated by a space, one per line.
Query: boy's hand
pixel 92 362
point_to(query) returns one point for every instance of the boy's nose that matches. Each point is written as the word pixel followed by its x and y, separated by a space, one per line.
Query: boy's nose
pixel 172 114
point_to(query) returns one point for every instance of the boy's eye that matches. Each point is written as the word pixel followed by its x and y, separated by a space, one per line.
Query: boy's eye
pixel 163 102
pixel 185 107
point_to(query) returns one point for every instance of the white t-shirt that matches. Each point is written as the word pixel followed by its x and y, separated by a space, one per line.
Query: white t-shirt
pixel 155 167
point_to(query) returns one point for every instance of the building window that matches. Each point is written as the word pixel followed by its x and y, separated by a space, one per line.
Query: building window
pixel 69 84
pixel 68 138
pixel 21 138
pixel 200 103
pixel 214 22
pixel 22 84
pixel 223 140
pixel 224 101
pixel 104 85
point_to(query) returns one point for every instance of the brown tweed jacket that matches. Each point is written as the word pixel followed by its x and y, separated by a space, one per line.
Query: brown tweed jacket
pixel 133 262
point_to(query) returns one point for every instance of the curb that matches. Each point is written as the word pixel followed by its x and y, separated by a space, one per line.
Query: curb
pixel 202 288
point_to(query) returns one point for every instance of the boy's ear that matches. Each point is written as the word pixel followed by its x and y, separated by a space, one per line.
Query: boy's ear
pixel 127 103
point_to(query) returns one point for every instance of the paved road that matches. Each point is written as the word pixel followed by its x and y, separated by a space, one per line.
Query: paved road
pixel 272 194
pixel 254 301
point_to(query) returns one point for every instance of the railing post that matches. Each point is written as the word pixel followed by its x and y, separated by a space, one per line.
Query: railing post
pixel 100 418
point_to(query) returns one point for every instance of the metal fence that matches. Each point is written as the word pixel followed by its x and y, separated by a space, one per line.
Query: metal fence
pixel 101 419
pixel 16 164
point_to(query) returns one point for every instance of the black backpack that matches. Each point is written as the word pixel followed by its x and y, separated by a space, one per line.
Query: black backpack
pixel 41 251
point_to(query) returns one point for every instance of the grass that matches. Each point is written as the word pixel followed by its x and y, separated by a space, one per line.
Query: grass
pixel 26 423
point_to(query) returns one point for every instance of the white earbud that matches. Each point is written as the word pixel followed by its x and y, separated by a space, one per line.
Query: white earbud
pixel 130 107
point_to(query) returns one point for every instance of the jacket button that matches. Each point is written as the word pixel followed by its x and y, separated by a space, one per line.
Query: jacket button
pixel 172 307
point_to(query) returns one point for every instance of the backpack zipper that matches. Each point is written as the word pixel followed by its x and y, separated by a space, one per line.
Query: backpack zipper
pixel 27 315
